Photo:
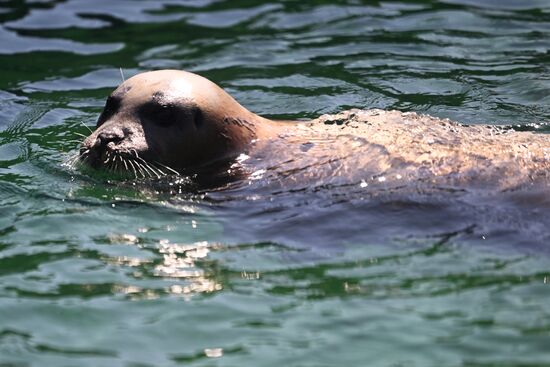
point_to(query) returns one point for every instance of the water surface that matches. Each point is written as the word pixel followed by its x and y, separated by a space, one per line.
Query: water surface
pixel 96 273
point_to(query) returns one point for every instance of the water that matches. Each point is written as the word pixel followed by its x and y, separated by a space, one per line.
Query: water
pixel 94 273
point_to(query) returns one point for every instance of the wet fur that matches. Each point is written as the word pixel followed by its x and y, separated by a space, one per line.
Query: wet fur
pixel 370 148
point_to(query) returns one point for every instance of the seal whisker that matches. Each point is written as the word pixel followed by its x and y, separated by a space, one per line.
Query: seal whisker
pixel 107 159
pixel 121 159
pixel 133 168
pixel 149 169
pixel 83 124
pixel 126 168
pixel 155 170
pixel 83 157
pixel 78 162
pixel 107 163
pixel 145 165
pixel 125 164
pixel 115 163
pixel 122 75
pixel 160 170
pixel 168 168
pixel 149 173
pixel 140 169
pixel 71 160
pixel 74 159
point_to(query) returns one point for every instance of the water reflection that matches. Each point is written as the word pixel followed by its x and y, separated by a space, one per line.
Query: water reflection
pixel 178 262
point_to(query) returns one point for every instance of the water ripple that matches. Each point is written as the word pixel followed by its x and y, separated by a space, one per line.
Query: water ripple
pixel 279 274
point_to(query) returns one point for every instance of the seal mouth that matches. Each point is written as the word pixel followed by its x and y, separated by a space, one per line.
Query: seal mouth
pixel 127 164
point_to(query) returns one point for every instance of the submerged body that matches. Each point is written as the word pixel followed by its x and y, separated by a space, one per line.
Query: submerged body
pixel 390 146
pixel 174 121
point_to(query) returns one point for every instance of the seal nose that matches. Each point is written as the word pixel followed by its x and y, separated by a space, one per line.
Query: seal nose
pixel 96 147
pixel 109 136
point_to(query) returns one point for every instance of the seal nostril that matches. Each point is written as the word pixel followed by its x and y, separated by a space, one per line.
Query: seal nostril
pixel 106 137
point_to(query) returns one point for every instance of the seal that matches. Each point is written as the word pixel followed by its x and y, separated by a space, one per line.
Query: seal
pixel 170 120
pixel 167 121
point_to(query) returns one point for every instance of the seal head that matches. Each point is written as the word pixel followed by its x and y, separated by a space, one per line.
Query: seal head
pixel 172 119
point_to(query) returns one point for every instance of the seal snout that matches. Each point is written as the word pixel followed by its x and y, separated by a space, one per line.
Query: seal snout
pixel 97 148
pixel 109 139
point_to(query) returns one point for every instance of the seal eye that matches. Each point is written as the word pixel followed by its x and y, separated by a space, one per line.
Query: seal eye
pixel 165 115
pixel 198 118
pixel 159 114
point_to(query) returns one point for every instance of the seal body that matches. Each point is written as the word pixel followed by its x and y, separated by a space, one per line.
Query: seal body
pixel 173 121
pixel 381 147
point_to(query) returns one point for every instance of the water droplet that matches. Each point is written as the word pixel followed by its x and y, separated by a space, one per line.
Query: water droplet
pixel 213 352
pixel 242 157
pixel 256 175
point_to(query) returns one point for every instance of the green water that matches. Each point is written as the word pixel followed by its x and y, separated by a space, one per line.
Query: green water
pixel 96 273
